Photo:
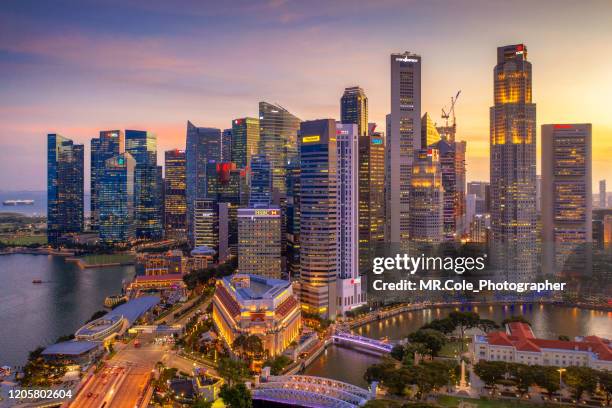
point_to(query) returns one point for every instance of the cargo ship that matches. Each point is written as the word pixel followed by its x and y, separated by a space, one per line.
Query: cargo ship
pixel 17 202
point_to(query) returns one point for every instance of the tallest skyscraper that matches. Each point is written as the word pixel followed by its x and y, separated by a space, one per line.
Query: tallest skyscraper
pixel 403 140
pixel 513 166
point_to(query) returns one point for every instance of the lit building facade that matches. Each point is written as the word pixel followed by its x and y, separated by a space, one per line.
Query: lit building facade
pixel 260 193
pixel 452 167
pixel 117 200
pixel 318 206
pixel 226 145
pixel 292 220
pixel 429 132
pixel 426 199
pixel 513 166
pixel 519 345
pixel 349 292
pixel 371 195
pixel 175 207
pixel 278 142
pixel 354 109
pixel 254 305
pixel 403 141
pixel 567 200
pixel 142 145
pixel 64 187
pixel 259 242
pixel 206 223
pixel 203 146
pixel 245 141
pixel 109 144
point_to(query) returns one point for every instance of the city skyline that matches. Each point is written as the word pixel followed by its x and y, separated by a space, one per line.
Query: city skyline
pixel 91 75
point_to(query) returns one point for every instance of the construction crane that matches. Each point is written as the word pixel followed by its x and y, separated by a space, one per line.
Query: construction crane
pixel 448 132
pixel 451 111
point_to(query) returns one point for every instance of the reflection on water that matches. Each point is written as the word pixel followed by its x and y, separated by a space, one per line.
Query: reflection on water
pixel 548 321
pixel 37 314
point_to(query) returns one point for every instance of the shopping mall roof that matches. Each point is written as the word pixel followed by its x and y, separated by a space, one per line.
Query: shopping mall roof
pixel 258 287
pixel 133 309
pixel 71 348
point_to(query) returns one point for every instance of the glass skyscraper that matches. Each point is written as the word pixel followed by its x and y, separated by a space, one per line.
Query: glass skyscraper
pixel 64 187
pixel 354 109
pixel 403 140
pixel 175 206
pixel 567 200
pixel 318 206
pixel 142 145
pixel 513 166
pixel 245 141
pixel 110 143
pixel 203 145
pixel 278 141
pixel 117 200
pixel 426 199
pixel 260 194
pixel 371 194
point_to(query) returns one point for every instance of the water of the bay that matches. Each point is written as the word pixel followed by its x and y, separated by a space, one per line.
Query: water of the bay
pixel 37 314
pixel 548 321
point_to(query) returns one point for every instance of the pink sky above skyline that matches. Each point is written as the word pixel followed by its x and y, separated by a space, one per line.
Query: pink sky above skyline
pixel 77 69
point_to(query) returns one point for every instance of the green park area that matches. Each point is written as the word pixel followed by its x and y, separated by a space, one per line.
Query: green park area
pixel 19 240
pixel 447 401
pixel 104 259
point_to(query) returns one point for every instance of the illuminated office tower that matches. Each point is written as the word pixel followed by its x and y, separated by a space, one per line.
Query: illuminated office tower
pixel 371 195
pixel 426 199
pixel 293 219
pixel 117 200
pixel 278 142
pixel 203 145
pixel 226 145
pixel 567 200
pixel 429 132
pixel 452 167
pixel 161 196
pixel 245 141
pixel 481 190
pixel 354 109
pixel 479 228
pixel 142 145
pixel 64 187
pixel 206 223
pixel 259 242
pixel 513 167
pixel 347 217
pixel 602 194
pixel 318 204
pixel 175 199
pixel 110 144
pixel 227 185
pixel 403 141
pixel 260 194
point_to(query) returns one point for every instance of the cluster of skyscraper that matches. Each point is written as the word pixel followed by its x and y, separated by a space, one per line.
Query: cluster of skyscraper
pixel 310 200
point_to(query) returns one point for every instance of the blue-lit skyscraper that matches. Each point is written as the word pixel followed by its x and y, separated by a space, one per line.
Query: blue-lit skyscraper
pixel 261 182
pixel 226 145
pixel 142 145
pixel 109 144
pixel 318 217
pixel 203 146
pixel 64 187
pixel 116 199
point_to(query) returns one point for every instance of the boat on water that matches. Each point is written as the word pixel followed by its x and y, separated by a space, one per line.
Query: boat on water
pixel 37 281
pixel 17 202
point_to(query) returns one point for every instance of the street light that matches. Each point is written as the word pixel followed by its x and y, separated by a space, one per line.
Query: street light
pixel 561 371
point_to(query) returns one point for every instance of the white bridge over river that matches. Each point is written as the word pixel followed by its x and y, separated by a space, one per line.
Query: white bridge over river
pixel 361 343
pixel 310 391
